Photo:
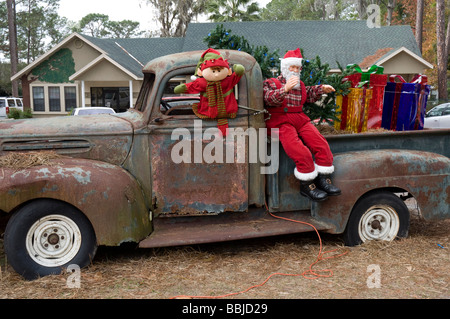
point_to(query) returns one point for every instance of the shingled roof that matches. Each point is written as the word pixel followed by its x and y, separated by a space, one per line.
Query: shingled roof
pixel 343 42
pixel 134 53
pixel 346 42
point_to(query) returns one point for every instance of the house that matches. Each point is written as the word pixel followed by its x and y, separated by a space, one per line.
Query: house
pixel 86 71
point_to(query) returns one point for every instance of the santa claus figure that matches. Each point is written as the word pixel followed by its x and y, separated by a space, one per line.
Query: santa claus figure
pixel 215 84
pixel 284 97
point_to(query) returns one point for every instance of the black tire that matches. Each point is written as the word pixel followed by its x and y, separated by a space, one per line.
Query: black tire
pixel 378 216
pixel 46 236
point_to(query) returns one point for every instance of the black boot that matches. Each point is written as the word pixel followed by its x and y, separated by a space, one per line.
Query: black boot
pixel 323 182
pixel 309 189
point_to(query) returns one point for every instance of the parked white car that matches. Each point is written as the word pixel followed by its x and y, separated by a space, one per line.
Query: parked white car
pixel 92 110
pixel 438 117
pixel 8 103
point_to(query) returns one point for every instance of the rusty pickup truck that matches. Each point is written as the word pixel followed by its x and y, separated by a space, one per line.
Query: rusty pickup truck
pixel 154 176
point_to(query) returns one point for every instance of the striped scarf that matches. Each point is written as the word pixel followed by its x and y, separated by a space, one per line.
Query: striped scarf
pixel 215 99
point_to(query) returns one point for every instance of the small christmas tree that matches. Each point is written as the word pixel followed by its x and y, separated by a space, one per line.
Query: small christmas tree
pixel 315 73
pixel 221 38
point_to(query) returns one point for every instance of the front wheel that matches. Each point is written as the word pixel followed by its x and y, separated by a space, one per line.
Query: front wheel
pixel 46 236
pixel 379 216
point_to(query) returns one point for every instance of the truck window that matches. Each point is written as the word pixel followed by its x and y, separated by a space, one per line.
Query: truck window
pixel 179 104
pixel 147 86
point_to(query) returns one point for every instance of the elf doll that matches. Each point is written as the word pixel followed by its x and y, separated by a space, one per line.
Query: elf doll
pixel 215 84
pixel 284 97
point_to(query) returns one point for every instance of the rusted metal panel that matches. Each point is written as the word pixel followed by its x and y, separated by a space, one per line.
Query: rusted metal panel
pixel 101 137
pixel 195 188
pixel 434 141
pixel 226 227
pixel 108 195
pixel 424 175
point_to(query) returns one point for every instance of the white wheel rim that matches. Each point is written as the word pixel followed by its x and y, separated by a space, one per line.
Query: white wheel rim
pixel 379 222
pixel 53 240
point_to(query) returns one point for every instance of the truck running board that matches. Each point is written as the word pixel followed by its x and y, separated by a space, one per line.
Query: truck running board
pixel 177 231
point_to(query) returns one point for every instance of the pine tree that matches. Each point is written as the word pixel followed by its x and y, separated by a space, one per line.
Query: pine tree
pixel 221 38
pixel 316 73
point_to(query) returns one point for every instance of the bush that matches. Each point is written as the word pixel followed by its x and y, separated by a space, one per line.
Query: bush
pixel 18 114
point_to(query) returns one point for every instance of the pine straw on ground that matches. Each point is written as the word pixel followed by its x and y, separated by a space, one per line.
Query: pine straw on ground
pixel 415 267
pixel 23 160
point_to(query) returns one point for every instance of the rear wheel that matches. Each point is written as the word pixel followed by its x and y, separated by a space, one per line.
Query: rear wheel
pixel 379 216
pixel 46 236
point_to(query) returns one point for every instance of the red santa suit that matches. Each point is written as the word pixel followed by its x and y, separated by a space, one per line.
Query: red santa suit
pixel 299 137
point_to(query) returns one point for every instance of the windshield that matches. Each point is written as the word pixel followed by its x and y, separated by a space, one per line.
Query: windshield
pixel 142 100
pixel 94 111
pixel 439 110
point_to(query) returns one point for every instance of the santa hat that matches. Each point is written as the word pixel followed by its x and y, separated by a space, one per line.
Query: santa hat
pixel 293 57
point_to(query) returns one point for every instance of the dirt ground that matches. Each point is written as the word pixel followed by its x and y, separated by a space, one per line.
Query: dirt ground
pixel 417 267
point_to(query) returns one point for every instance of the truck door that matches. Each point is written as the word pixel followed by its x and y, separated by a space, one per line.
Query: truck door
pixel 194 171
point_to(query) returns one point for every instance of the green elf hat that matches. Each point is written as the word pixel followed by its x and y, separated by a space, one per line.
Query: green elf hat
pixel 212 58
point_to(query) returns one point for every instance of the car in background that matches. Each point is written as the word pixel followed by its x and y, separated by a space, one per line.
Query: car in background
pixel 438 117
pixel 9 103
pixel 92 110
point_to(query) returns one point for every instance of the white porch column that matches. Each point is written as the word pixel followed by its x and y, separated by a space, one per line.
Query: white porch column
pixel 83 96
pixel 131 94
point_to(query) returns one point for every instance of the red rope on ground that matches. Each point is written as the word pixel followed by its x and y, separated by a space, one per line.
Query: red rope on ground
pixel 308 274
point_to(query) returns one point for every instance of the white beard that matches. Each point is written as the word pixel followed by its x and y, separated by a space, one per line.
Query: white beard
pixel 287 74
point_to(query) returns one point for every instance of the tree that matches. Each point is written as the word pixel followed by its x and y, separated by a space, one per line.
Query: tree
pixel 38 27
pixel 94 24
pixel 419 23
pixel 174 16
pixel 56 69
pixel 99 26
pixel 221 38
pixel 124 29
pixel 278 10
pixel 13 53
pixel 316 73
pixel 233 10
pixel 390 10
pixel 442 59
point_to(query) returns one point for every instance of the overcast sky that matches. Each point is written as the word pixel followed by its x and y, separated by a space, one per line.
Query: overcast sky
pixel 117 10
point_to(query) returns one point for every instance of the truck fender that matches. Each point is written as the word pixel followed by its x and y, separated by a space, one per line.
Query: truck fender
pixel 106 194
pixel 424 175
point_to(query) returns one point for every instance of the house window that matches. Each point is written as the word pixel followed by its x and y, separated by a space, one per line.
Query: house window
pixel 96 97
pixel 70 97
pixel 38 99
pixel 54 98
pixel 117 98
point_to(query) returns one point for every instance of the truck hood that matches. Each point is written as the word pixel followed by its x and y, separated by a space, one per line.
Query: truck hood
pixel 101 137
